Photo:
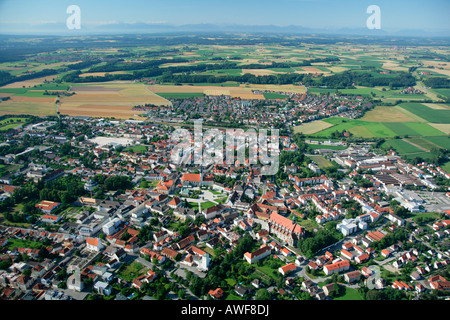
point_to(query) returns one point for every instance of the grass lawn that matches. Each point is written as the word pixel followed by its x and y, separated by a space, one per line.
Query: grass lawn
pixel 272 95
pixel 232 296
pixel 132 271
pixel 321 161
pixel 10 123
pixel 433 215
pixel 207 204
pixel 350 294
pixel 308 224
pixel 266 270
pixel 140 148
pixel 446 166
pixel 221 200
pixel 20 243
pixel 193 205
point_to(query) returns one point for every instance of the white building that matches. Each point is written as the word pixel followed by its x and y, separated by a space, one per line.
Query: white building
pixel 347 227
pixel 111 227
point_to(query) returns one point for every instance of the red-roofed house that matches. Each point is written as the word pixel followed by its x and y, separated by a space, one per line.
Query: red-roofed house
pixel 94 244
pixel 175 203
pixel 284 228
pixel 258 254
pixel 47 206
pixel 216 294
pixel 50 218
pixel 336 267
pixel 287 268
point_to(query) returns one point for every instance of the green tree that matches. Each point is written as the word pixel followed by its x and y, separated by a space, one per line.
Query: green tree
pixel 263 294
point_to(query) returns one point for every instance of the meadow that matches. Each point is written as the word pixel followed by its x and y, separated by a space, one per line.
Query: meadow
pixel 387 95
pixel 318 60
pixel 427 113
pixel 12 122
pixel 403 120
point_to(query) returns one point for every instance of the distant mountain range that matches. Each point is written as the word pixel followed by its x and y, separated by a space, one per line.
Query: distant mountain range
pixel 114 27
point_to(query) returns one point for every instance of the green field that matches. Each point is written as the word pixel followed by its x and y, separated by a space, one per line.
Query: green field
pixel 443 92
pixel 140 148
pixel 20 243
pixel 180 94
pixel 324 146
pixel 422 142
pixel 36 91
pixel 429 114
pixel 10 123
pixel 230 72
pixel 419 147
pixel 358 128
pixel 370 129
pixel 272 95
pixel 401 146
pixel 131 271
pixel 442 141
pixel 446 166
pixel 321 161
pixel 378 93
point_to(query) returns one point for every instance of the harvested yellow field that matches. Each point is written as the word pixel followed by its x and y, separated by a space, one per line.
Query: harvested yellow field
pixel 249 61
pixel 175 89
pixel 444 127
pixel 97 110
pixel 312 127
pixel 394 66
pixel 439 66
pixel 244 93
pixel 386 114
pixel 410 114
pixel 248 96
pixel 29 83
pixel 337 69
pixel 437 106
pixel 309 69
pixel 108 100
pixel 28 105
pixel 216 92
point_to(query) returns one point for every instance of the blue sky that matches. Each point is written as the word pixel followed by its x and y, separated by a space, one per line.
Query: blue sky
pixel 395 14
